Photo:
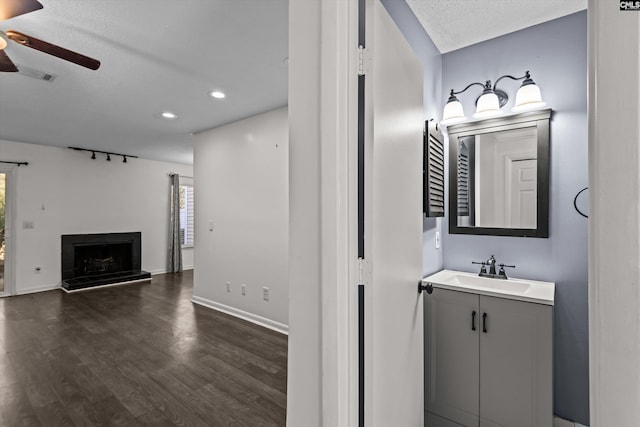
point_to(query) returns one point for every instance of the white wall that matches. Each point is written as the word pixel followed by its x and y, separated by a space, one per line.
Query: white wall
pixel 241 171
pixel 65 192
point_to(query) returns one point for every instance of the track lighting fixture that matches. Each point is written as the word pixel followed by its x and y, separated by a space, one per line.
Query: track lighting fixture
pixel 491 101
pixel 106 153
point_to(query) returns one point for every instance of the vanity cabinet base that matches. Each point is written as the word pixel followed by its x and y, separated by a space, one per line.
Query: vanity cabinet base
pixel 488 361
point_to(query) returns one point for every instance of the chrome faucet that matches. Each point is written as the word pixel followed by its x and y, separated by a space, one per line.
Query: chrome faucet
pixel 491 262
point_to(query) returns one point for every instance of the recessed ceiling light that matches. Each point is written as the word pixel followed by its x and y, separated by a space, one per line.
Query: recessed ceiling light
pixel 169 115
pixel 217 94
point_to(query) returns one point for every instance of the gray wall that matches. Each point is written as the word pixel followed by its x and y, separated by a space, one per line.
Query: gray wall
pixel 431 60
pixel 556 54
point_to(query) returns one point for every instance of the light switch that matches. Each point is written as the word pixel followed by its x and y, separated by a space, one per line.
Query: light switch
pixel 28 225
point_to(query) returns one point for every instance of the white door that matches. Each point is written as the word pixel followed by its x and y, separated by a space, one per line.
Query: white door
pixel 393 225
pixel 523 193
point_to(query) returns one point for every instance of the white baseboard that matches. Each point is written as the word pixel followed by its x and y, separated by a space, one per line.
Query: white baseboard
pixel 164 271
pixel 250 317
pixel 38 289
pixel 560 422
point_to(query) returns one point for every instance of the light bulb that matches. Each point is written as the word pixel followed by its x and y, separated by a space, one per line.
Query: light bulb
pixel 528 98
pixel 488 105
pixel 453 111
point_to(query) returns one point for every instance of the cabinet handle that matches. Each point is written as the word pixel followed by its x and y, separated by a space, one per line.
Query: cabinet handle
pixel 484 322
pixel 473 320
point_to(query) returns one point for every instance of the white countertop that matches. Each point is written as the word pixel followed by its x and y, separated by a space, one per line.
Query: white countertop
pixel 516 289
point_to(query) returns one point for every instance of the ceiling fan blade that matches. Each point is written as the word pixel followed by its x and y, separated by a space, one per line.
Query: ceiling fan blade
pixel 11 8
pixel 54 50
pixel 6 65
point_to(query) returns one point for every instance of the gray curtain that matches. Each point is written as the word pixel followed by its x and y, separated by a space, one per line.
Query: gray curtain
pixel 174 264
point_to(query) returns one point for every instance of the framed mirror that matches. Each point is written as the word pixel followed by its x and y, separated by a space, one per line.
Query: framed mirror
pixel 499 176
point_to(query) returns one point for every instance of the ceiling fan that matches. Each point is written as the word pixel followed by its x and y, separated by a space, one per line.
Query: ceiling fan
pixel 12 8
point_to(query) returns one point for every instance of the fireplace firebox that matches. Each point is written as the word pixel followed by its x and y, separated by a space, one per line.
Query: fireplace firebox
pixel 90 260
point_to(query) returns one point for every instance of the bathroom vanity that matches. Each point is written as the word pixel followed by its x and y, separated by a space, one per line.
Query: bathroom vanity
pixel 488 351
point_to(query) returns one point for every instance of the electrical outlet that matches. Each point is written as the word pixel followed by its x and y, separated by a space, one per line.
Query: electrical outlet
pixel 244 289
pixel 228 286
pixel 265 293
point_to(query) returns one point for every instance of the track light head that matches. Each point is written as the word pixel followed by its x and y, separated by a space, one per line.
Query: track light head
pixel 106 153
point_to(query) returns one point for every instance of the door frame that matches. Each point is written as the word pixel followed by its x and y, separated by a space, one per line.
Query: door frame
pixel 10 230
pixel 324 269
pixel 323 376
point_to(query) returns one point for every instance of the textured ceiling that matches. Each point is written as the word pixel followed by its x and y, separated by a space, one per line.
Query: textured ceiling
pixel 156 55
pixel 454 24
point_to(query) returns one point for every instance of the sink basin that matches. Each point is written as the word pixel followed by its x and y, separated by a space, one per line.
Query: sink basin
pixel 518 289
pixel 508 285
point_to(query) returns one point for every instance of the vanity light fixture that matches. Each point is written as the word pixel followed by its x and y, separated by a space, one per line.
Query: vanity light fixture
pixel 491 101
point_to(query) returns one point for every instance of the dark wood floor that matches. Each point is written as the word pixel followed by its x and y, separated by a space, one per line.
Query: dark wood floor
pixel 137 354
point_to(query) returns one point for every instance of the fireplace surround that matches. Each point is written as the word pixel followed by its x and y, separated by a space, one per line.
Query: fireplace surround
pixel 90 260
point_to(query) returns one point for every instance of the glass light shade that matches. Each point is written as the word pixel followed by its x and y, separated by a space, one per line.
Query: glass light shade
pixel 528 98
pixel 3 43
pixel 453 113
pixel 488 105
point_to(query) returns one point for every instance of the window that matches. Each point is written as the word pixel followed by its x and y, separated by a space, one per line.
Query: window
pixel 186 215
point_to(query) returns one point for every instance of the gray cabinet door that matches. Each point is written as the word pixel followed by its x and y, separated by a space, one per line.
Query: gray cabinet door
pixel 516 386
pixel 452 360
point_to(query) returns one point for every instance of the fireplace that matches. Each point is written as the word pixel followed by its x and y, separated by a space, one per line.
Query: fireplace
pixel 101 259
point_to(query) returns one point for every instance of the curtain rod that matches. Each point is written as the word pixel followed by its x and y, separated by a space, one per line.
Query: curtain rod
pixel 183 176
pixel 14 163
